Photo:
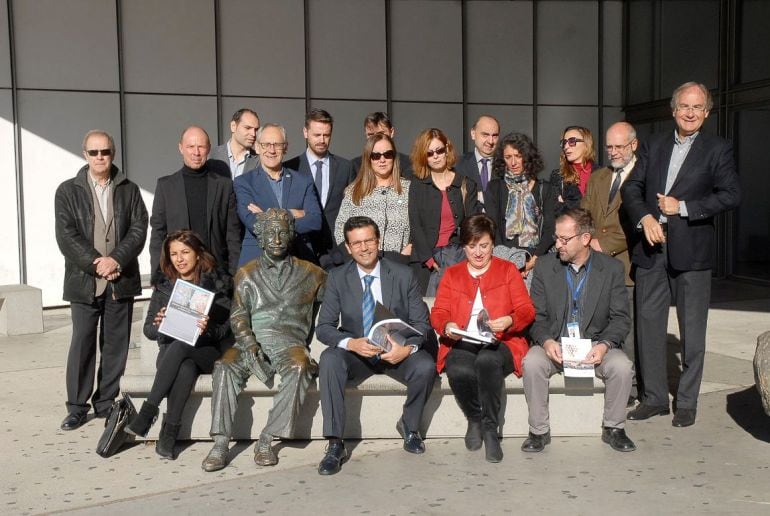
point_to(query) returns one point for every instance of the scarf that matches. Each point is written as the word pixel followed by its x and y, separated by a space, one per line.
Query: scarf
pixel 522 215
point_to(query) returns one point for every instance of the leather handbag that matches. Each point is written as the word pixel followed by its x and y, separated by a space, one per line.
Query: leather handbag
pixel 114 437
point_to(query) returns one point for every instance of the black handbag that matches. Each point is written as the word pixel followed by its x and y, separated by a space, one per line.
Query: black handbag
pixel 114 436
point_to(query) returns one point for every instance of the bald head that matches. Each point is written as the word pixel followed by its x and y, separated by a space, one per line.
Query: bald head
pixel 484 134
pixel 621 143
pixel 194 146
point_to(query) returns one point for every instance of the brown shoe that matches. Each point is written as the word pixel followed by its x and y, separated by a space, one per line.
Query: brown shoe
pixel 264 454
pixel 216 459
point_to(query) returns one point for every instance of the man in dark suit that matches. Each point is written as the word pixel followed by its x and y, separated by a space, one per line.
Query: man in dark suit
pixel 330 173
pixel 238 153
pixel 477 164
pixel 271 185
pixel 680 182
pixel 197 198
pixel 578 293
pixel 379 122
pixel 345 318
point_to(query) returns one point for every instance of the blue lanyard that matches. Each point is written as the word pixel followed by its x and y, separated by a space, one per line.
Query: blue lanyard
pixel 575 292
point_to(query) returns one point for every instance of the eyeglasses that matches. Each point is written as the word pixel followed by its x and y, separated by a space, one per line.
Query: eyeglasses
pixel 565 240
pixel 437 152
pixel 388 154
pixel 570 141
pixel 98 152
pixel 362 244
pixel 617 148
pixel 276 146
pixel 699 108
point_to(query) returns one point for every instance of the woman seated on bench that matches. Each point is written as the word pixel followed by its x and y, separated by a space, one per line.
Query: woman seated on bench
pixel 179 364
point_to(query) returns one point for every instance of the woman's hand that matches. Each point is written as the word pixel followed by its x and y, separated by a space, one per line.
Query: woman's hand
pixel 528 266
pixel 159 317
pixel 500 324
pixel 407 250
pixel 203 322
pixel 448 330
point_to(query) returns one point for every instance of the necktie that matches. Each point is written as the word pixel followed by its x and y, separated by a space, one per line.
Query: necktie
pixel 368 304
pixel 615 186
pixel 484 173
pixel 319 179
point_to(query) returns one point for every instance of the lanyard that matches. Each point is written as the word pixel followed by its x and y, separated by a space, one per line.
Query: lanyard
pixel 575 292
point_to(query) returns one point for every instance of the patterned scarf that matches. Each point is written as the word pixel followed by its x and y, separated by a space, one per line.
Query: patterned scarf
pixel 522 216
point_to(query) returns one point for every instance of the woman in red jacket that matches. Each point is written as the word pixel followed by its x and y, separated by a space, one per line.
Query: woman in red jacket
pixel 476 371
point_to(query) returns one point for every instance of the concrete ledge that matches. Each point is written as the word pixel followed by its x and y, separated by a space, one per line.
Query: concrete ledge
pixel 21 310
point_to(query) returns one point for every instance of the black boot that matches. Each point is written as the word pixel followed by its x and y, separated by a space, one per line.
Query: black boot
pixel 167 439
pixel 492 449
pixel 142 422
pixel 473 435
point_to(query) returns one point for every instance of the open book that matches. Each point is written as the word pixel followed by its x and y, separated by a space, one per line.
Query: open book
pixel 187 305
pixel 388 325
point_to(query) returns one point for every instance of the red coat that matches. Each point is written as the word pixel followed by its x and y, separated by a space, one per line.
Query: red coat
pixel 503 293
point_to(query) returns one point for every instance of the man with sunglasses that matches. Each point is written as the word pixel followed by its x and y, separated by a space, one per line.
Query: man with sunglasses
pixel 578 293
pixel 477 164
pixel 680 183
pixel 101 227
pixel 238 153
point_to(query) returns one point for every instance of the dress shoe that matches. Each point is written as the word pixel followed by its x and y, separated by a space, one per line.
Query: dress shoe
pixel 617 439
pixel 264 454
pixel 74 420
pixel 216 459
pixel 536 443
pixel 473 439
pixel 684 417
pixel 412 441
pixel 336 456
pixel 644 411
pixel 492 450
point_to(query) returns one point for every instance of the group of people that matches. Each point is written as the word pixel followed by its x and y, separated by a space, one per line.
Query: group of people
pixel 532 259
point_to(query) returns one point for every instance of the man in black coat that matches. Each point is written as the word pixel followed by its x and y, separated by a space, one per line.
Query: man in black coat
pixel 477 164
pixel 101 227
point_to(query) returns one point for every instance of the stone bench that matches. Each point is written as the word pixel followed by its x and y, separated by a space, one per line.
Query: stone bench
pixel 21 310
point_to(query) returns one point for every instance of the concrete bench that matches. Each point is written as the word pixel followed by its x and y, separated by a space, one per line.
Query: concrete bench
pixel 21 310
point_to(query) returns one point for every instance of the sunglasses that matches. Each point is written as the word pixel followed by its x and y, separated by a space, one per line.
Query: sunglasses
pixel 97 152
pixel 570 141
pixel 388 154
pixel 437 152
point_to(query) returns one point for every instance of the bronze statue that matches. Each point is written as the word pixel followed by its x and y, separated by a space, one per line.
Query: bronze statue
pixel 271 318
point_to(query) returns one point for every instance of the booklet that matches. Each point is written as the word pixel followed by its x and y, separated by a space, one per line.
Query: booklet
pixel 573 352
pixel 388 325
pixel 474 337
pixel 187 305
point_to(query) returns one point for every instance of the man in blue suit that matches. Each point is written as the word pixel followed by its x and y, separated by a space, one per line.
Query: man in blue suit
pixel 270 185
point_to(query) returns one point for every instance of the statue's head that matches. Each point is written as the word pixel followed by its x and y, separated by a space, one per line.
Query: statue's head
pixel 274 230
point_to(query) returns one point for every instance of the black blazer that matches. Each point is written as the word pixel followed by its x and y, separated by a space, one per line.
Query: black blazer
pixel 169 214
pixel 707 183
pixel 468 167
pixel 341 174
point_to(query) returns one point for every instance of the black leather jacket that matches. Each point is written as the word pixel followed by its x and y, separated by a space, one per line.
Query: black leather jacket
pixel 74 211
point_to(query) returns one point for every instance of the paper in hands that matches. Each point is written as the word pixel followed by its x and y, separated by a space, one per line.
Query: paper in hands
pixel 187 305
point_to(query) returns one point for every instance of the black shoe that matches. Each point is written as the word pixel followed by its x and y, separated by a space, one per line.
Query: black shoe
pixel 336 456
pixel 412 440
pixel 617 439
pixel 684 417
pixel 644 411
pixel 142 422
pixel 536 443
pixel 74 420
pixel 167 439
pixel 473 439
pixel 492 450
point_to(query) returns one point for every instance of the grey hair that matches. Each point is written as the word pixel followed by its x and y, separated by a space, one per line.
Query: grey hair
pixel 269 125
pixel 99 132
pixel 690 84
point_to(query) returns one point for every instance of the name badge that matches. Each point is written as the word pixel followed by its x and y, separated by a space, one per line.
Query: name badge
pixel 573 330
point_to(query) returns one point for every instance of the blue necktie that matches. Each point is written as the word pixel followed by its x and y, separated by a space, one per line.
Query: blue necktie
pixel 368 304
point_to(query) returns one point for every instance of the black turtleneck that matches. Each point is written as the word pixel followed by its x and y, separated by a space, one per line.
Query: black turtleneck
pixel 196 190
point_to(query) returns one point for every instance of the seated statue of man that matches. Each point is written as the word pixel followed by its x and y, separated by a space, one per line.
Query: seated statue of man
pixel 271 317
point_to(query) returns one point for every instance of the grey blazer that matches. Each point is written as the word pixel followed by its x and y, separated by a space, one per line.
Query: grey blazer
pixel 605 308
pixel 220 154
pixel 341 315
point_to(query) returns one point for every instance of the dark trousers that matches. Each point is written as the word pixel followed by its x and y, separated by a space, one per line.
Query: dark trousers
pixel 476 377
pixel 179 366
pixel 339 366
pixel 111 319
pixel 654 290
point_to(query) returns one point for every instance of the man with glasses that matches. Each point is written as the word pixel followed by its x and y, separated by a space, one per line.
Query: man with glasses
pixel 578 293
pixel 199 198
pixel 680 183
pixel 346 316
pixel 101 227
pixel 602 201
pixel 477 164
pixel 330 174
pixel 271 185
pixel 379 122
pixel 238 153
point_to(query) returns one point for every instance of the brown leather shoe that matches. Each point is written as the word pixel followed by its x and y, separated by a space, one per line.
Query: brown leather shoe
pixel 216 459
pixel 264 454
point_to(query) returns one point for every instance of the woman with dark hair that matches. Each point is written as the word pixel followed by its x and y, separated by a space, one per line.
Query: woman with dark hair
pixel 576 163
pixel 439 200
pixel 381 193
pixel 521 204
pixel 493 289
pixel 179 364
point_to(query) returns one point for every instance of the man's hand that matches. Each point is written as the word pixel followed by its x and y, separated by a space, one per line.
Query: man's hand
pixel 596 355
pixel 596 246
pixel 668 205
pixel 105 266
pixel 363 348
pixel 552 350
pixel 500 324
pixel 397 352
pixel 298 214
pixel 652 230
pixel 253 208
